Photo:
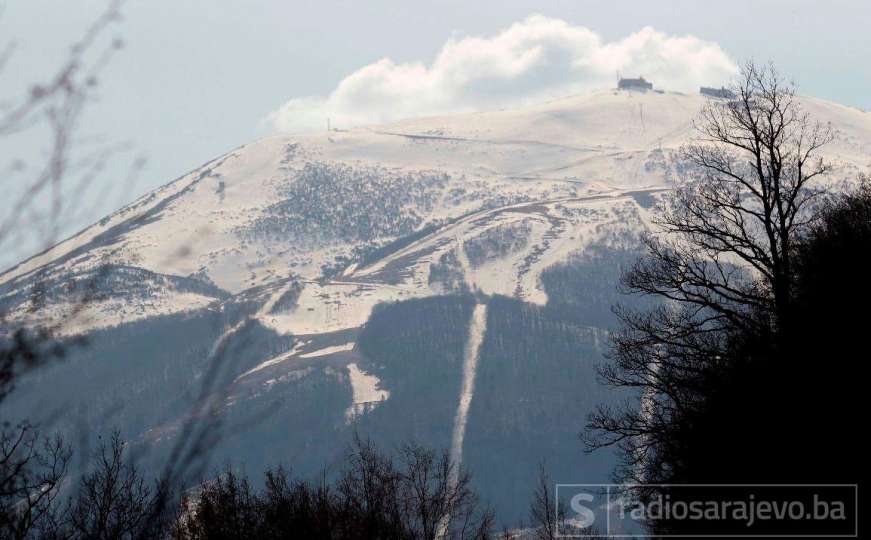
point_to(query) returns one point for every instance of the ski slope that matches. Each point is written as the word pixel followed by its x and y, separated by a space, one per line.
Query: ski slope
pixel 491 198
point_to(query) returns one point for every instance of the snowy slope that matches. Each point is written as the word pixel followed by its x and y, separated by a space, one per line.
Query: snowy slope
pixel 483 201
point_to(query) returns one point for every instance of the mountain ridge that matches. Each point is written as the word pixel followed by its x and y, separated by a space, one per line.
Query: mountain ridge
pixel 487 152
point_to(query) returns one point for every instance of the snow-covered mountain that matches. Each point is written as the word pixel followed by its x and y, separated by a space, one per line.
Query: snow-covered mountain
pixel 447 279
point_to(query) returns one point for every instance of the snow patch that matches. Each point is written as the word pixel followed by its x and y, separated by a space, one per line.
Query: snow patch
pixel 477 328
pixel 276 359
pixel 329 350
pixel 366 394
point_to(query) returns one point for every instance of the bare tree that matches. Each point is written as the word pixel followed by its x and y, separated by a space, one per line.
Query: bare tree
pixel 47 185
pixel 413 495
pixel 113 501
pixel 752 163
pixel 53 108
pixel 32 468
pixel 545 512
pixel 419 495
pixel 720 259
pixel 40 194
pixel 437 500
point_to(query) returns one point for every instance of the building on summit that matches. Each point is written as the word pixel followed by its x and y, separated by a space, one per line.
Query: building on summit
pixel 634 84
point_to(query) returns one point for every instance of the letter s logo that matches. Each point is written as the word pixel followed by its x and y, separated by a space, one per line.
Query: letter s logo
pixel 585 516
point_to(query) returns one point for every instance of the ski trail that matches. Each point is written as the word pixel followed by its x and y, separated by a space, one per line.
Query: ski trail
pixel 477 327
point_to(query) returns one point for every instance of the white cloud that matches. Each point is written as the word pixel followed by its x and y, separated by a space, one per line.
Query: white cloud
pixel 534 59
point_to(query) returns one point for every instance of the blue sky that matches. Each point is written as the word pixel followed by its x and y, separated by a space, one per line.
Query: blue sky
pixel 197 78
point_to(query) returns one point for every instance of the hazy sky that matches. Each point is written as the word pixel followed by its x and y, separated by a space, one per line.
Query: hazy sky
pixel 199 77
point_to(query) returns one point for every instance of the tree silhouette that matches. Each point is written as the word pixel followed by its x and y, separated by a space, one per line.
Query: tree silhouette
pixel 745 372
pixel 721 260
